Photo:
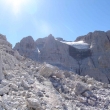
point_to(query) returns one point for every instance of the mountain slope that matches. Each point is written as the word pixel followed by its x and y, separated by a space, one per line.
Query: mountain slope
pixel 30 85
pixel 88 55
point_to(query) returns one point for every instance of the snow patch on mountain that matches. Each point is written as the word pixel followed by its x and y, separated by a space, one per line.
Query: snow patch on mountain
pixel 78 45
pixel 38 50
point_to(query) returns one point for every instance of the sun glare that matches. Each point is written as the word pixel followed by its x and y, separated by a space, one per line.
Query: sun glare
pixel 16 5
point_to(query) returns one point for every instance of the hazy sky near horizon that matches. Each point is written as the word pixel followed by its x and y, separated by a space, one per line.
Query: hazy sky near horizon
pixel 61 18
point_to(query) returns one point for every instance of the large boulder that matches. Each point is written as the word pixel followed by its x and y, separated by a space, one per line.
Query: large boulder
pixel 4 90
pixel 80 88
pixel 47 70
pixel 33 103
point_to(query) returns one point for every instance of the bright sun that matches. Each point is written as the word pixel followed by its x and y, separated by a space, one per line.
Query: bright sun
pixel 16 5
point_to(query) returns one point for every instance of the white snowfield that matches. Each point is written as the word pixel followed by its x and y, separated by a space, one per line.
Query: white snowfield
pixel 78 45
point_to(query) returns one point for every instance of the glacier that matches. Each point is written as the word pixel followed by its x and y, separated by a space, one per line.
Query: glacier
pixel 78 45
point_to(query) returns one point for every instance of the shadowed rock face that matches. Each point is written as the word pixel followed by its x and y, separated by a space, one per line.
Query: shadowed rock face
pixel 79 54
pixel 93 61
pixel 100 47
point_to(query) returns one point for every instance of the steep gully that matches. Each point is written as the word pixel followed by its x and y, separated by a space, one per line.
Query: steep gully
pixel 106 74
pixel 79 55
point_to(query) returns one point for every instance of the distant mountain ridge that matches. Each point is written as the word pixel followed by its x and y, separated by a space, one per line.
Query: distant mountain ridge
pixel 93 60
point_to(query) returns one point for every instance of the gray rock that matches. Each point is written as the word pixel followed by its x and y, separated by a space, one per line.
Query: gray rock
pixel 47 70
pixel 4 90
pixel 4 82
pixel 91 102
pixel 87 94
pixel 82 99
pixel 33 103
pixel 13 86
pixel 58 74
pixel 1 73
pixel 80 88
pixel 17 55
pixel 40 94
pixel 25 84
pixel 105 85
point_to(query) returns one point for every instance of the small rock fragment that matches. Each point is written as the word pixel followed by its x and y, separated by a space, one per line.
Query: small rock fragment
pixel 87 94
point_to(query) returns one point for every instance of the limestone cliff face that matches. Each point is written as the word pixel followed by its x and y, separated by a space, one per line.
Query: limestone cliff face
pixel 100 49
pixel 8 57
pixel 26 47
pixel 49 50
pixel 4 44
pixel 93 61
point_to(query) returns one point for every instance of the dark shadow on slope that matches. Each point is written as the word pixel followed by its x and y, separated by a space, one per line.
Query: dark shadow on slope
pixel 79 54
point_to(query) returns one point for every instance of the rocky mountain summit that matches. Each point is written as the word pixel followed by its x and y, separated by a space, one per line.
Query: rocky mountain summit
pixel 87 55
pixel 26 84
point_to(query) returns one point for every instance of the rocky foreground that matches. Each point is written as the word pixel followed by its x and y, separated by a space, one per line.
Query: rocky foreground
pixel 33 86
pixel 30 85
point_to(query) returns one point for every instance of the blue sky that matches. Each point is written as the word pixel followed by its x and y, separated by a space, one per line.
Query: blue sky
pixel 61 18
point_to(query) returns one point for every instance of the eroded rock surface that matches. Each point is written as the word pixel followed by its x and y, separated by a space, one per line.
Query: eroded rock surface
pixel 88 55
pixel 32 85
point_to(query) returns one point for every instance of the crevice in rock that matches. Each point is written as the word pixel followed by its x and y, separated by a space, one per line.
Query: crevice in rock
pixel 107 78
pixel 79 54
pixel 108 38
pixel 79 70
pixel 92 62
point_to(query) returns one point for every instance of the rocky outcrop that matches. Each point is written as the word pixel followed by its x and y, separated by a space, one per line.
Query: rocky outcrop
pixel 5 45
pixel 60 39
pixel 1 72
pixel 89 54
pixel 27 47
pixel 49 50
pixel 32 85
pixel 100 50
